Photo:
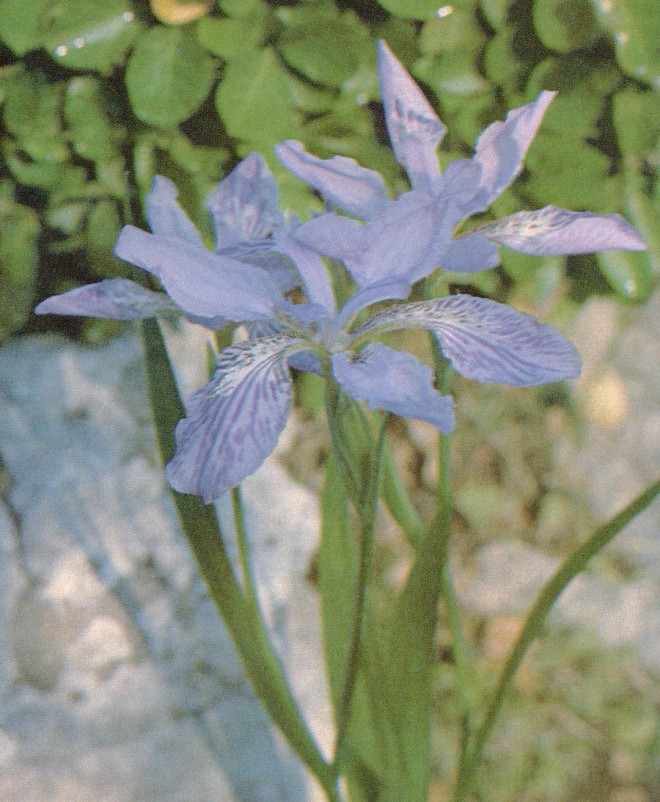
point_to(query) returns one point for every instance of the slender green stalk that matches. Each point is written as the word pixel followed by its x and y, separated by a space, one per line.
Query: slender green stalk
pixel 367 515
pixel 545 600
pixel 249 583
pixel 200 527
pixel 398 501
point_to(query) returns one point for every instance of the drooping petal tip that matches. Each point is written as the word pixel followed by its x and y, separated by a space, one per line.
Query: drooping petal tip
pixel 112 299
pixel 394 381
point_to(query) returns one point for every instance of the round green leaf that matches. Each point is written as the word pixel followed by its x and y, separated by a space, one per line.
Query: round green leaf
pixel 93 35
pixel 565 25
pixel 253 99
pixel 415 9
pixel 89 129
pixel 168 76
pixel 456 31
pixel 632 112
pixel 20 24
pixel 634 26
pixel 327 51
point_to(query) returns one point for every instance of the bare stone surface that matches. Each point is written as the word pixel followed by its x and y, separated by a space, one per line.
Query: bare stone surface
pixel 117 680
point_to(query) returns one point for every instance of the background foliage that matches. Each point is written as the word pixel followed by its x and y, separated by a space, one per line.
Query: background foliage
pixel 98 96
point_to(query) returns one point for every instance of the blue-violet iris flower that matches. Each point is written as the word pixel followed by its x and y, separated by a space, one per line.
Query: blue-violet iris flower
pixel 233 423
pixel 411 236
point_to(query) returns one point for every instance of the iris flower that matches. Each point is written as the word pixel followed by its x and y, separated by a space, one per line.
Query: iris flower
pixel 233 423
pixel 413 235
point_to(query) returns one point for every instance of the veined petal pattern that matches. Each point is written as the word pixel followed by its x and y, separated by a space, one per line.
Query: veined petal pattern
pixel 556 232
pixel 414 128
pixel 487 341
pixel 244 206
pixel 233 423
pixel 112 299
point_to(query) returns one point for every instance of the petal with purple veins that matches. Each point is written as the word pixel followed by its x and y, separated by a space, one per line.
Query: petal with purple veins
pixel 200 282
pixel 341 181
pixel 501 148
pixel 165 216
pixel 556 232
pixel 414 128
pixel 112 299
pixel 245 205
pixel 233 423
pixel 395 381
pixel 487 341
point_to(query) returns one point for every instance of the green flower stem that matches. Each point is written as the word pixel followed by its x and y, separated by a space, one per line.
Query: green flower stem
pixel 545 600
pixel 200 526
pixel 398 501
pixel 367 514
pixel 249 584
pixel 459 644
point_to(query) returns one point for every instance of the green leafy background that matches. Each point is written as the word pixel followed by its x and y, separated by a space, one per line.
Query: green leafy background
pixel 96 97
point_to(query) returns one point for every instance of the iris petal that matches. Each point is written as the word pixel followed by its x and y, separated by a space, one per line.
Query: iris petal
pixel 501 148
pixel 487 341
pixel 395 381
pixel 165 216
pixel 112 299
pixel 233 423
pixel 341 181
pixel 414 128
pixel 556 232
pixel 200 282
pixel 244 206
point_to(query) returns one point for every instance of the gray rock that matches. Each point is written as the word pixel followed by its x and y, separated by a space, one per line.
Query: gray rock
pixel 117 680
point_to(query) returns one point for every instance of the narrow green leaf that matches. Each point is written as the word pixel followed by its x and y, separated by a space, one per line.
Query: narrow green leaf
pixel 168 76
pixel 200 526
pixel 410 656
pixel 19 229
pixel 630 275
pixel 536 617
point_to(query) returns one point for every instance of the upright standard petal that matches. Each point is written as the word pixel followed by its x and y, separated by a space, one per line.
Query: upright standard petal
pixel 407 241
pixel 487 341
pixel 501 148
pixel 202 283
pixel 112 299
pixel 313 274
pixel 395 381
pixel 556 232
pixel 414 128
pixel 165 216
pixel 233 423
pixel 341 181
pixel 245 205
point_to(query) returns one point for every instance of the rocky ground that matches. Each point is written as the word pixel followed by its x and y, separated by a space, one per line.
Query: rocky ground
pixel 117 682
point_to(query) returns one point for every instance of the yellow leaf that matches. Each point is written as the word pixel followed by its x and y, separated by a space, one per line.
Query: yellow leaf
pixel 179 12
